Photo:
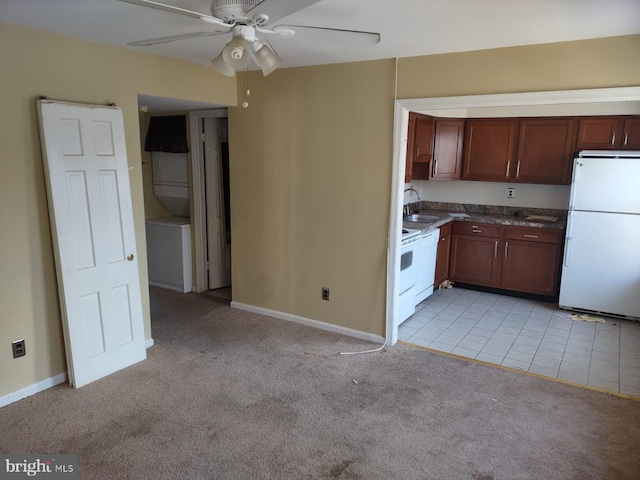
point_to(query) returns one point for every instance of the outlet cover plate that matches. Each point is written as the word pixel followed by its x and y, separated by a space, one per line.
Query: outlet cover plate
pixel 18 348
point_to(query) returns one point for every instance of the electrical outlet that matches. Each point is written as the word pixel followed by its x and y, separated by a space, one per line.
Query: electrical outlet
pixel 325 293
pixel 511 192
pixel 18 348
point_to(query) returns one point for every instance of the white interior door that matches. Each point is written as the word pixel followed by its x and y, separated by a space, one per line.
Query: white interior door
pixel 94 242
pixel 219 253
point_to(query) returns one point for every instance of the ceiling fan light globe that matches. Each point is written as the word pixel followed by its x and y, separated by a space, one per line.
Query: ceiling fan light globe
pixel 222 66
pixel 236 53
pixel 267 59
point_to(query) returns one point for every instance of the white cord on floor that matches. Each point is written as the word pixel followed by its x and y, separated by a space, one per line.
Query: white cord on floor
pixel 366 351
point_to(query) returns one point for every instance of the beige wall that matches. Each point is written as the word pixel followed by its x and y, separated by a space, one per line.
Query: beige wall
pixel 36 63
pixel 600 63
pixel 310 185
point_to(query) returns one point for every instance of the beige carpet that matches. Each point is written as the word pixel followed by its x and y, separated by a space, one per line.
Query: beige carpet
pixel 226 394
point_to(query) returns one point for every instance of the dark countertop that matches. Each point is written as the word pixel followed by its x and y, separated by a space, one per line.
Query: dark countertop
pixel 490 218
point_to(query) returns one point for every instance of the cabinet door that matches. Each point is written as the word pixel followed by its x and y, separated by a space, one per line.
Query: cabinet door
pixel 489 149
pixel 447 154
pixel 631 134
pixel 442 257
pixel 545 151
pixel 423 138
pixel 530 267
pixel 602 133
pixel 408 171
pixel 474 260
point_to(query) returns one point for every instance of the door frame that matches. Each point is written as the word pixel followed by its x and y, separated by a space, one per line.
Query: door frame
pixel 198 182
pixel 460 104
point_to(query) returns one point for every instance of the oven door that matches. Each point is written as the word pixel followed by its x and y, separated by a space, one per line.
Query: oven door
pixel 408 267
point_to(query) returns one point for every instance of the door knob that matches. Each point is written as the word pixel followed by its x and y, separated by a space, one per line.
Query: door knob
pixel 130 257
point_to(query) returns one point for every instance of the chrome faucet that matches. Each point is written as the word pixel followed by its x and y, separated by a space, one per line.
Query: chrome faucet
pixel 406 210
pixel 411 189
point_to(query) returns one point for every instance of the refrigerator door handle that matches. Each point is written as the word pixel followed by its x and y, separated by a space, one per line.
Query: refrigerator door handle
pixel 567 243
pixel 574 182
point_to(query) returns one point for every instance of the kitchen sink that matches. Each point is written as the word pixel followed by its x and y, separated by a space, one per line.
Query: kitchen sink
pixel 420 218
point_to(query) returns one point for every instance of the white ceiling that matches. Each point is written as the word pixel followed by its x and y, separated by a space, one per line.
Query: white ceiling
pixel 407 27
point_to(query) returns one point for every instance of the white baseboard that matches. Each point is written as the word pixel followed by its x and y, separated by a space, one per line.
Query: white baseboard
pixel 309 322
pixel 33 389
pixel 44 384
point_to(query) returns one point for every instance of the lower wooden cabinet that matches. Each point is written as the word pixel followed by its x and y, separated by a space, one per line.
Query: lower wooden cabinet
pixel 531 260
pixel 529 267
pixel 521 259
pixel 442 257
pixel 473 256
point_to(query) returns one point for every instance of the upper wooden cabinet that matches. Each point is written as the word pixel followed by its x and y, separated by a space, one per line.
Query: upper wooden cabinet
pixel 631 134
pixel 489 149
pixel 434 147
pixel 419 146
pixel 545 148
pixel 601 133
pixel 608 133
pixel 423 138
pixel 447 150
pixel 524 150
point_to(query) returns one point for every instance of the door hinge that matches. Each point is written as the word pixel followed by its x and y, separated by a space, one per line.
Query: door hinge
pixel 203 137
pixel 206 265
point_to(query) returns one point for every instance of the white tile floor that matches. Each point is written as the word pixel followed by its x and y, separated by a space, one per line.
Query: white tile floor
pixel 529 335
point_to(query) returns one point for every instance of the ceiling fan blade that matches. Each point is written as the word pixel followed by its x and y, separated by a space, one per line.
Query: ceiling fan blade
pixel 277 9
pixel 179 11
pixel 350 38
pixel 172 38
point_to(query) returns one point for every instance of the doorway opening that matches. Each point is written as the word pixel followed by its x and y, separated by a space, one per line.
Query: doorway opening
pixel 207 175
pixel 211 202
pixel 552 103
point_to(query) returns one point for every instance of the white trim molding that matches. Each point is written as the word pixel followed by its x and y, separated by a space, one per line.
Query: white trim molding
pixel 349 332
pixel 44 384
pixel 33 389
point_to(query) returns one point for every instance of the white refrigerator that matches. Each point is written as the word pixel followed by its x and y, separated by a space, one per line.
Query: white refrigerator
pixel 601 265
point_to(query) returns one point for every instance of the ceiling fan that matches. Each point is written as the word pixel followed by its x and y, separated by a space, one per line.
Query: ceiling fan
pixel 247 20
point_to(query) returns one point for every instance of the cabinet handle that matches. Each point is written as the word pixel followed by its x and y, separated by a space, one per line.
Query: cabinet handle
pixel 518 169
pixel 435 167
pixel 476 231
pixel 508 166
pixel 626 138
pixel 506 249
pixel 495 250
pixel 530 236
pixel 613 138
pixel 418 151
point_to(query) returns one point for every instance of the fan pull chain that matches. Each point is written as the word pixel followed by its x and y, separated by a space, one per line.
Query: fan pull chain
pixel 247 92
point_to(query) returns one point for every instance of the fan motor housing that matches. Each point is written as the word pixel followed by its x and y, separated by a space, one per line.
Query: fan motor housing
pixel 233 10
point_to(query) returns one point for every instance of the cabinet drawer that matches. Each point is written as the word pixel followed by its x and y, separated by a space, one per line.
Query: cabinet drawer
pixel 533 235
pixel 477 229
